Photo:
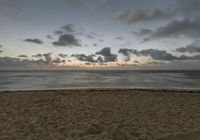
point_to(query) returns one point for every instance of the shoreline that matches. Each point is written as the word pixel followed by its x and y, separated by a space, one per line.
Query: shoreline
pixel 192 90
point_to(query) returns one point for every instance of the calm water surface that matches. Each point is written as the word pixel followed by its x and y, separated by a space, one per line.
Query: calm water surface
pixel 40 80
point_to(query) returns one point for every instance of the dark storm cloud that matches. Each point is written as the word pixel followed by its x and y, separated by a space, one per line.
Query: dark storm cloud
pixel 23 56
pixel 108 56
pixel 141 15
pixel 68 40
pixel 192 48
pixel 35 40
pixel 188 28
pixel 155 54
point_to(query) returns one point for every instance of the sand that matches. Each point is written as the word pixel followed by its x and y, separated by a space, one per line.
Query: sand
pixel 100 115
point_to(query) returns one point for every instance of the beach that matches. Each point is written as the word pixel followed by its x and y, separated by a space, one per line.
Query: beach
pixel 100 114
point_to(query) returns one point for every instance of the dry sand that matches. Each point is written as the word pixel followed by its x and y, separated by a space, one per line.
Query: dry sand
pixel 100 115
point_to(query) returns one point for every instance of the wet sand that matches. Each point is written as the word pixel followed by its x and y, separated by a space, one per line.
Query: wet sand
pixel 100 115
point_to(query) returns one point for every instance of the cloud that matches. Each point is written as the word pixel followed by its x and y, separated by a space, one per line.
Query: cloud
pixel 48 57
pixel 57 60
pixel 188 28
pixel 90 36
pixel 1 47
pixel 102 56
pixel 140 15
pixel 127 53
pixel 158 54
pixel 89 4
pixel 68 28
pixel 58 32
pixel 68 40
pixel 35 40
pixel 63 55
pixel 143 32
pixel 83 57
pixel 161 55
pixel 105 51
pixel 101 40
pixel 192 48
pixel 120 38
pixel 108 56
pixel 23 56
pixel 45 60
pixel 38 55
pixel 49 37
pixel 9 61
pixel 94 44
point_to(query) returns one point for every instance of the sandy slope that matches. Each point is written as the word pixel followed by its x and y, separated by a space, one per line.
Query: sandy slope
pixel 98 114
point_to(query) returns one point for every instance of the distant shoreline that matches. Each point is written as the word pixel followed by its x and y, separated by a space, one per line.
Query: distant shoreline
pixel 192 90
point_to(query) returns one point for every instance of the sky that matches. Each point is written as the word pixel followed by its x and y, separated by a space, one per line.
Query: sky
pixel 100 34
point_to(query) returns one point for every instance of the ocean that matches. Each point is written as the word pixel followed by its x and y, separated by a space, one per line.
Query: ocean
pixel 68 79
